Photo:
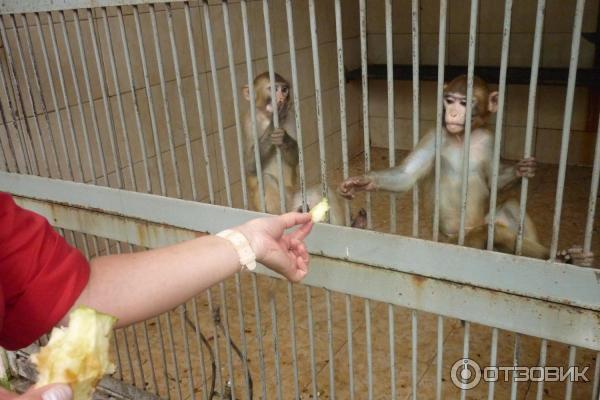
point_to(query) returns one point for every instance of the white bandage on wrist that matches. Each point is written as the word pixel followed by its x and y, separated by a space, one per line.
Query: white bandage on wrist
pixel 242 246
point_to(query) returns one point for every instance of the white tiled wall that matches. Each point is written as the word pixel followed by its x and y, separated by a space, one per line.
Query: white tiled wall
pixel 549 111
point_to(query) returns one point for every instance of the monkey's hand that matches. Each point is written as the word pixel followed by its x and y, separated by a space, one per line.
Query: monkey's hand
pixel 278 137
pixel 576 256
pixel 526 167
pixel 350 186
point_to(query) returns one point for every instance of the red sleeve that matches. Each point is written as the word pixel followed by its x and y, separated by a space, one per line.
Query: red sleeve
pixel 41 275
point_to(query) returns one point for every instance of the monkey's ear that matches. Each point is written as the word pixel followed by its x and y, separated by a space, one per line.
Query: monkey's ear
pixel 246 92
pixel 493 102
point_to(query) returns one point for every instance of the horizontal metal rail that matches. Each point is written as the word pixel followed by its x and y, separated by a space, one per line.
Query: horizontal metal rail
pixel 543 280
pixel 564 323
pixel 29 6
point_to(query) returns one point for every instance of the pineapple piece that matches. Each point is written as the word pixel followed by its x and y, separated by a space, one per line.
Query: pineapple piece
pixel 78 354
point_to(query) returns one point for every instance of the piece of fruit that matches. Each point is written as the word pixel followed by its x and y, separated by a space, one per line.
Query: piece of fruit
pixel 77 354
pixel 319 212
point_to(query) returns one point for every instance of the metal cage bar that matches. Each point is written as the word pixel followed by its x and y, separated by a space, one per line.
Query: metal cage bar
pixel 389 45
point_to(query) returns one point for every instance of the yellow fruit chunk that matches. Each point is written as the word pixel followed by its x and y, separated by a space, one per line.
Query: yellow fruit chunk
pixel 77 354
pixel 319 212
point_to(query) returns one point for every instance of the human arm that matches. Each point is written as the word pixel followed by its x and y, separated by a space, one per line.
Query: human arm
pixel 137 286
pixel 56 391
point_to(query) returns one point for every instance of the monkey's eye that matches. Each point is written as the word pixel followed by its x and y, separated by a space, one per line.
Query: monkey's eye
pixel 449 100
pixel 285 90
pixel 463 103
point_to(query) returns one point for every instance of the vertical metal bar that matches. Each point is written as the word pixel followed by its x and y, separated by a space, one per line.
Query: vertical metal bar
pixel 203 375
pixel 292 307
pixel 493 362
pixel 148 88
pixel 319 102
pixel 163 356
pixel 19 47
pixel 216 345
pixel 26 142
pixel 439 116
pixel 516 357
pixel 88 89
pixel 69 52
pixel 365 101
pixel 236 101
pixel 349 330
pixel 110 123
pixel 261 353
pixel 531 109
pixel 250 73
pixel 440 357
pixel 151 361
pixel 135 338
pixel 414 353
pixel 467 332
pixel 271 65
pixel 416 106
pixel 392 336
pixel 182 107
pixel 217 94
pixel 225 325
pixel 274 331
pixel 369 349
pixel 187 351
pixel 330 344
pixel 128 353
pixel 136 107
pixel 499 121
pixel 566 130
pixel 34 65
pixel 55 105
pixel 467 138
pixel 238 290
pixel 311 341
pixel 115 78
pixel 296 99
pixel 190 35
pixel 595 389
pixel 569 388
pixel 9 142
pixel 389 45
pixel 589 225
pixel 163 89
pixel 342 93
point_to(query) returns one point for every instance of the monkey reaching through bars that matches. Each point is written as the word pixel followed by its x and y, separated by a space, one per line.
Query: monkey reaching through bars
pixel 420 161
pixel 284 138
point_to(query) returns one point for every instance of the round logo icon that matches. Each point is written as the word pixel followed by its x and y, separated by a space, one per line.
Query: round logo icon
pixel 465 374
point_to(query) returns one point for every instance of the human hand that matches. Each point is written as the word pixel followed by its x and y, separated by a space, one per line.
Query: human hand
pixel 56 391
pixel 283 253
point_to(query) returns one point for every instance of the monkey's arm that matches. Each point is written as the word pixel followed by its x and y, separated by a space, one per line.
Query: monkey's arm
pixel 510 174
pixel 397 179
pixel 289 150
pixel 265 148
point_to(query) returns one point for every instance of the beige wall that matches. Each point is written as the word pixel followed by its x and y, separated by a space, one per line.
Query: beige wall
pixel 550 100
pixel 306 89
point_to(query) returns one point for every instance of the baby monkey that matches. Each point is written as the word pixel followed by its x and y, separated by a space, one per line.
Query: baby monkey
pixel 285 138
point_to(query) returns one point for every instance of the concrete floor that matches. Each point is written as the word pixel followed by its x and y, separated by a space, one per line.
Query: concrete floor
pixel 274 300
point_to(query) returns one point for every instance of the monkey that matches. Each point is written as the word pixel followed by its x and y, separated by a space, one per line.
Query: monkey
pixel 285 138
pixel 419 163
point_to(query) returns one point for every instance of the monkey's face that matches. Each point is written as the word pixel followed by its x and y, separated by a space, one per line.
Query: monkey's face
pixel 282 92
pixel 455 105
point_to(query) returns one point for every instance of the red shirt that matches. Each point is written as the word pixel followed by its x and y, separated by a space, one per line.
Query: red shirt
pixel 41 275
